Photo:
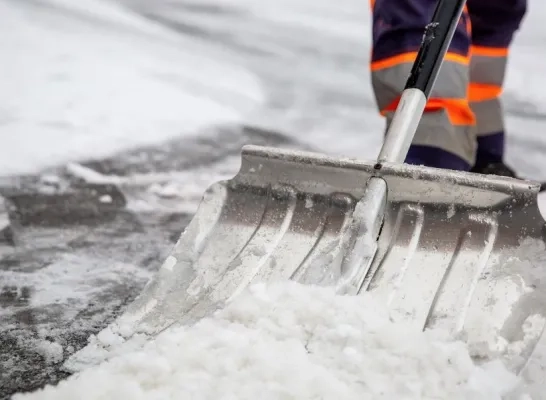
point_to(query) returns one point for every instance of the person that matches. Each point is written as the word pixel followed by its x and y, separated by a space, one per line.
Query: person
pixel 462 127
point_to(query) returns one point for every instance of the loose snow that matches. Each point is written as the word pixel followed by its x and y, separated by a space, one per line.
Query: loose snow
pixel 51 351
pixel 290 341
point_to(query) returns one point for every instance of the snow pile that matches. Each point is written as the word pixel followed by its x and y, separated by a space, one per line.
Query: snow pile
pixel 289 341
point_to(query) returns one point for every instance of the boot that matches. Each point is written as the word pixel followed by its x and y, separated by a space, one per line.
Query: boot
pixel 497 168
pixel 500 169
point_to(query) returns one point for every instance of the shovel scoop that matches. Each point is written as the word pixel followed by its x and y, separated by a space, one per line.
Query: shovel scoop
pixel 450 249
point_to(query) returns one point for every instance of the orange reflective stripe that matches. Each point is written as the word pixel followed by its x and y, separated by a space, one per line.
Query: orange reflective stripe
pixel 458 110
pixel 489 51
pixel 483 92
pixel 410 57
pixel 372 3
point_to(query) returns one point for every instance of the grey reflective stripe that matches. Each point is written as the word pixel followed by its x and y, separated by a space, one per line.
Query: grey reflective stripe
pixel 487 70
pixel 436 130
pixel 388 83
pixel 489 116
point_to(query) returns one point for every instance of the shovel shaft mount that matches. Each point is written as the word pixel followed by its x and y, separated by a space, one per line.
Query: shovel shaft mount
pixel 436 39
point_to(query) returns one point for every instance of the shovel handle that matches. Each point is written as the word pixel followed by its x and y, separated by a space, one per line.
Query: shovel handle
pixel 436 39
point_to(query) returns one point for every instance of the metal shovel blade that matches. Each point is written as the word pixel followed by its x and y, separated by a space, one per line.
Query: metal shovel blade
pixel 456 250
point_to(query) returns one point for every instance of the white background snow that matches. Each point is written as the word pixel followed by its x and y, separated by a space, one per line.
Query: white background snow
pixel 93 78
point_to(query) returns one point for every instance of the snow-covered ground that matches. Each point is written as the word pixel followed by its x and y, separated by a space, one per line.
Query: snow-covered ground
pixel 91 78
pixel 86 79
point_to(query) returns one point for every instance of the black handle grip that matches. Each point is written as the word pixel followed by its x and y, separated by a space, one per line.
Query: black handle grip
pixel 436 40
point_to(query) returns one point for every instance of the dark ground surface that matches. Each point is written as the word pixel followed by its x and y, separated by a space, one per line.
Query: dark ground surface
pixel 93 256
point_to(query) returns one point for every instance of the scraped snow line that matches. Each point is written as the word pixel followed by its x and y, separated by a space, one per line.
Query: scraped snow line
pixel 290 341
pixel 76 88
pixel 164 191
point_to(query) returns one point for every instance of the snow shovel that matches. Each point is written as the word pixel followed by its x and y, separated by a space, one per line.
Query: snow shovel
pixel 441 248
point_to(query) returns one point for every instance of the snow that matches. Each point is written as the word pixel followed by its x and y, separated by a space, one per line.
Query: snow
pixel 181 191
pixel 290 341
pixel 51 351
pixel 57 282
pixel 87 80
pixel 56 294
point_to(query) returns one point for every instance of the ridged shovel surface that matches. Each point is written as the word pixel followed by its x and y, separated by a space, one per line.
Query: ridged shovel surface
pixel 461 251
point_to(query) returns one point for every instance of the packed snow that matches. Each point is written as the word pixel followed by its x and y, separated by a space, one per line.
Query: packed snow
pixel 290 341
